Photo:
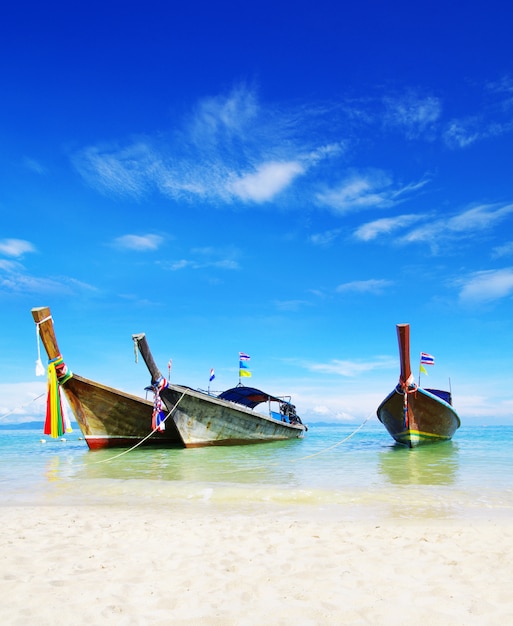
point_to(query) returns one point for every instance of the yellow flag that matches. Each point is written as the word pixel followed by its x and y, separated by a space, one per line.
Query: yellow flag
pixel 423 370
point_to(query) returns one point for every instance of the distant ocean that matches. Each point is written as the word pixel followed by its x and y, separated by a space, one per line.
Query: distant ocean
pixel 333 470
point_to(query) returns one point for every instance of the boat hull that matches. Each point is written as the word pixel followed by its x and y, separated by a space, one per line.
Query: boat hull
pixel 429 418
pixel 109 418
pixel 204 420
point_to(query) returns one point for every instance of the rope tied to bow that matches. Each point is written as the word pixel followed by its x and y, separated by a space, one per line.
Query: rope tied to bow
pixel 407 387
pixel 158 418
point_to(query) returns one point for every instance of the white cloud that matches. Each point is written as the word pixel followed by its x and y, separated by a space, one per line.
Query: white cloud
pixel 351 368
pixel 181 265
pixel 34 166
pixel 502 86
pixel 386 225
pixel 206 258
pixel 329 150
pixel 461 133
pixel 139 242
pixel 224 114
pixel 373 285
pixel 492 120
pixel 268 180
pixel 10 266
pixel 438 232
pixel 486 286
pixel 224 264
pixel 478 218
pixel 291 305
pixel 229 149
pixel 504 250
pixel 126 171
pixel 414 114
pixel 233 149
pixel 465 132
pixel 359 191
pixel 23 283
pixel 15 247
pixel 372 189
pixel 15 279
pixel 326 238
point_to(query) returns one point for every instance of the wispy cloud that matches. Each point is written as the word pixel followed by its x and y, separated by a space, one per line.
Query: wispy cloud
pixel 230 148
pixel 359 191
pixel 202 258
pixel 127 171
pixel 326 238
pixel 15 279
pixel 291 305
pixel 385 226
pixel 268 180
pixel 492 120
pixel 413 114
pixel 373 285
pixel 463 132
pixel 502 251
pixel 220 116
pixel 474 220
pixel 194 264
pixel 34 166
pixel 486 286
pixel 140 243
pixel 351 368
pixel 372 189
pixel 10 267
pixel 15 247
pixel 504 85
pixel 483 216
pixel 18 282
pixel 435 233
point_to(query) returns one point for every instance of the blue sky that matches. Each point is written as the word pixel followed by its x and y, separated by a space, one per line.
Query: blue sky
pixel 285 179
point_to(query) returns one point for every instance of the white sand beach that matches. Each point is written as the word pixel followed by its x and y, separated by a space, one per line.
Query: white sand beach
pixel 173 564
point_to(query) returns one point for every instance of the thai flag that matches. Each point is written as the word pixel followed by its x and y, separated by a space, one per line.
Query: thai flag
pixel 426 359
pixel 243 356
pixel 212 375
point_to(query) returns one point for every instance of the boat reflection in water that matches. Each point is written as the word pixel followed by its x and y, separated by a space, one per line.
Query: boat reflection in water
pixel 426 465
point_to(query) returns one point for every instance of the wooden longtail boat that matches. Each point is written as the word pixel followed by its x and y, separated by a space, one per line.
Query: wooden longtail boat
pixel 107 417
pixel 227 419
pixel 415 416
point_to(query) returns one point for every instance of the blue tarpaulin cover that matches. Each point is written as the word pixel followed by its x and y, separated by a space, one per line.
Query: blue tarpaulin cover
pixel 247 396
pixel 445 395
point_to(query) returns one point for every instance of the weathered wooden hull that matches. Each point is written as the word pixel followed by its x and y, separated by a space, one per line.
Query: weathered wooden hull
pixel 204 420
pixel 110 418
pixel 107 417
pixel 429 418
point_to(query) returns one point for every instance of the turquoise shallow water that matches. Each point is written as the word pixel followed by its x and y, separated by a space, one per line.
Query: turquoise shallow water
pixel 332 471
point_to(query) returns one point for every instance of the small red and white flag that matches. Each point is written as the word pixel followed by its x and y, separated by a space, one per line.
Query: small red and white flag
pixel 426 359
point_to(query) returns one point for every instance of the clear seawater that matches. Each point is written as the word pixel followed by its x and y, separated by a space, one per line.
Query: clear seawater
pixel 333 470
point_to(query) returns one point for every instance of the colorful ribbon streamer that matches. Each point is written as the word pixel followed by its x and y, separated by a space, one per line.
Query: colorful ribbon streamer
pixel 55 423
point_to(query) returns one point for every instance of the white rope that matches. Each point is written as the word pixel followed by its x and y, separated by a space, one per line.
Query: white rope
pixel 139 443
pixel 339 443
pixel 251 469
pixel 22 406
pixel 40 370
pixel 303 458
